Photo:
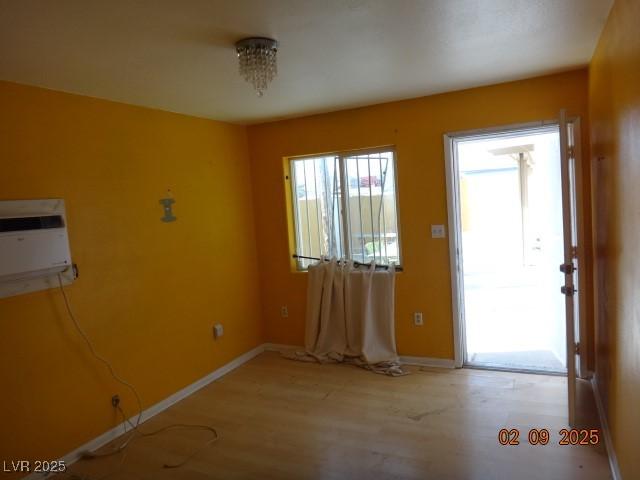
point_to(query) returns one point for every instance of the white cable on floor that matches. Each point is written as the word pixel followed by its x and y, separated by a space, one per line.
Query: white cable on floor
pixel 135 427
pixel 170 427
pixel 115 376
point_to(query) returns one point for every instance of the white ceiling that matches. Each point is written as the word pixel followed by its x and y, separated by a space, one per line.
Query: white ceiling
pixel 178 55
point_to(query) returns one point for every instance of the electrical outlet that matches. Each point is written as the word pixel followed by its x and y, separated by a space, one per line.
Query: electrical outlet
pixel 284 311
pixel 115 401
pixel 437 231
pixel 218 330
pixel 417 319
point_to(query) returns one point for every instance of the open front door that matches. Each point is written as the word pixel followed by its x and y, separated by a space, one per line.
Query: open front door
pixel 569 268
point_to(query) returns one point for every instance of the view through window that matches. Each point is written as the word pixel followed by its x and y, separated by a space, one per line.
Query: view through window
pixel 345 206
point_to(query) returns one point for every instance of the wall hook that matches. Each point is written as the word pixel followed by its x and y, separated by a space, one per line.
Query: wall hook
pixel 166 205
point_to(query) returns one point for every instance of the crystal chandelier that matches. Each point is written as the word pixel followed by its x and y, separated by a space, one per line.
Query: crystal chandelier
pixel 257 58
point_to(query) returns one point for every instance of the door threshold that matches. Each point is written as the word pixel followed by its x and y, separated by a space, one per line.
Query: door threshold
pixel 478 366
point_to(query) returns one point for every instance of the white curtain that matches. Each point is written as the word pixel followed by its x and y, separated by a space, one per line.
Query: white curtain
pixel 350 316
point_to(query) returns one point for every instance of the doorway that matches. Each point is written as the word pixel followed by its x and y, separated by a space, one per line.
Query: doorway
pixel 509 241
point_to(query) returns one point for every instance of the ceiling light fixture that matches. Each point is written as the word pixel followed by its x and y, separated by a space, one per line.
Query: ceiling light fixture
pixel 257 57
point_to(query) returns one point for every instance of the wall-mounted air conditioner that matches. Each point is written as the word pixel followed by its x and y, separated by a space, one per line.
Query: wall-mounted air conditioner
pixel 34 246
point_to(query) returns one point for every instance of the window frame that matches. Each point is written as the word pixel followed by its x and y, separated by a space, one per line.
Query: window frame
pixel 345 237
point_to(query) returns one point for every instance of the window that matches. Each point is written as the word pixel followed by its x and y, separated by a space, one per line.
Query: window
pixel 345 206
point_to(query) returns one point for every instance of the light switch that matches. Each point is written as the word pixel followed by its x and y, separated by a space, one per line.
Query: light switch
pixel 218 330
pixel 437 231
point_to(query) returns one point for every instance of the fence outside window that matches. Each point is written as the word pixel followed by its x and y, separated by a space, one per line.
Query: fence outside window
pixel 345 206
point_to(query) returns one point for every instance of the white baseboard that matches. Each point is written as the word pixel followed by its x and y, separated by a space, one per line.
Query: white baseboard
pixel 606 433
pixel 118 430
pixel 115 432
pixel 428 362
pixel 419 361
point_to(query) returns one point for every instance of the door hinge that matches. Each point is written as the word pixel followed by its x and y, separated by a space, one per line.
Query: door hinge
pixel 576 348
pixel 567 268
pixel 568 291
pixel 574 252
pixel 571 151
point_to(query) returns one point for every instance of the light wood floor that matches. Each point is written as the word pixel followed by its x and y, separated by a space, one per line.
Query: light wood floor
pixel 281 419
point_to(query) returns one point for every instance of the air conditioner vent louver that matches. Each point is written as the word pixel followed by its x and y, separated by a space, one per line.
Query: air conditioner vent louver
pixel 30 223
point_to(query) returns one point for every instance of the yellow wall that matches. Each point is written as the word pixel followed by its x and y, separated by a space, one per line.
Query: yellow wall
pixel 416 128
pixel 148 292
pixel 614 95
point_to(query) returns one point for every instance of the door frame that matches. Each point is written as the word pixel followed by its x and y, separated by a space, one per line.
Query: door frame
pixel 454 224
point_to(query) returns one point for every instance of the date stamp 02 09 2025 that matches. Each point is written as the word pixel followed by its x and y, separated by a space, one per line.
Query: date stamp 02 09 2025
pixel 506 436
pixel 36 466
pixel 541 436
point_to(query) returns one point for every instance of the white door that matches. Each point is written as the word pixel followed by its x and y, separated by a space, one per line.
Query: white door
pixel 502 260
pixel 566 243
pixel 569 268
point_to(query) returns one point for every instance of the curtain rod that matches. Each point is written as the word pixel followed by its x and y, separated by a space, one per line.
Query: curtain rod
pixel 356 263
